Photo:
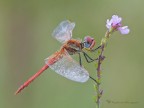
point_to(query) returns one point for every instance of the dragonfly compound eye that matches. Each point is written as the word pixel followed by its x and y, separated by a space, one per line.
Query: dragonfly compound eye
pixel 87 45
pixel 88 41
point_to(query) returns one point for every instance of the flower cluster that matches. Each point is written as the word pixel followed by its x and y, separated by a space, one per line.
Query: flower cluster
pixel 114 24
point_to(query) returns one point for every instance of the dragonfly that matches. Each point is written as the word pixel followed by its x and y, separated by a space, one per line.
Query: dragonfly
pixel 61 61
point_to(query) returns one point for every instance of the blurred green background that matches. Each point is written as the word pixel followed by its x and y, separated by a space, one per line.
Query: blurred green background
pixel 25 41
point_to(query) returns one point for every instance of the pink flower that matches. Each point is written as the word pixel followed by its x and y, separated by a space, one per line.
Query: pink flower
pixel 115 24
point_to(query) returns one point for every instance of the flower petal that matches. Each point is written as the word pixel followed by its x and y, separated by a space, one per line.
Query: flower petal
pixel 116 20
pixel 124 30
pixel 108 24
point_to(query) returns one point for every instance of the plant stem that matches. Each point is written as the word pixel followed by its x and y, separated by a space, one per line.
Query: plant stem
pixel 100 59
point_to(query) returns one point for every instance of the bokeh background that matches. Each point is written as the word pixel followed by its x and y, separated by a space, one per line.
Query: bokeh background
pixel 25 41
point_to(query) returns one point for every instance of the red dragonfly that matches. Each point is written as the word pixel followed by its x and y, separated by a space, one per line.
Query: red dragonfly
pixel 61 61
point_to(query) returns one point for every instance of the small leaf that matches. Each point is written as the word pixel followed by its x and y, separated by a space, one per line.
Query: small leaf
pixel 96 65
pixel 100 94
pixel 103 41
pixel 99 51
pixel 98 80
pixel 95 87
pixel 95 98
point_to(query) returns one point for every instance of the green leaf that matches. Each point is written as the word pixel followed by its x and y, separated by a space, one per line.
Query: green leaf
pixel 99 51
pixel 95 99
pixel 95 87
pixel 98 80
pixel 103 41
pixel 96 65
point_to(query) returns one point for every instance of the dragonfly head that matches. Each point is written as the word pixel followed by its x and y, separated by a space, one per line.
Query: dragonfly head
pixel 89 42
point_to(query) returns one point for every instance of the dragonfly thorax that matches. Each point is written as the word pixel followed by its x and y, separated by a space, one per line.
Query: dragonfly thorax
pixel 73 46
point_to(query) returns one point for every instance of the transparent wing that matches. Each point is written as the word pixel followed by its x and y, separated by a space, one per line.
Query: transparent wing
pixel 63 32
pixel 69 68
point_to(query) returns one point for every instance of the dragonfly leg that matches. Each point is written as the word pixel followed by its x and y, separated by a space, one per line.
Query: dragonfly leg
pixel 93 50
pixel 80 61
pixel 93 79
pixel 88 58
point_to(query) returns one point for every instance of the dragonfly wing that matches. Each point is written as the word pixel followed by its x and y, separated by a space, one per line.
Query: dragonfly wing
pixel 69 68
pixel 63 32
